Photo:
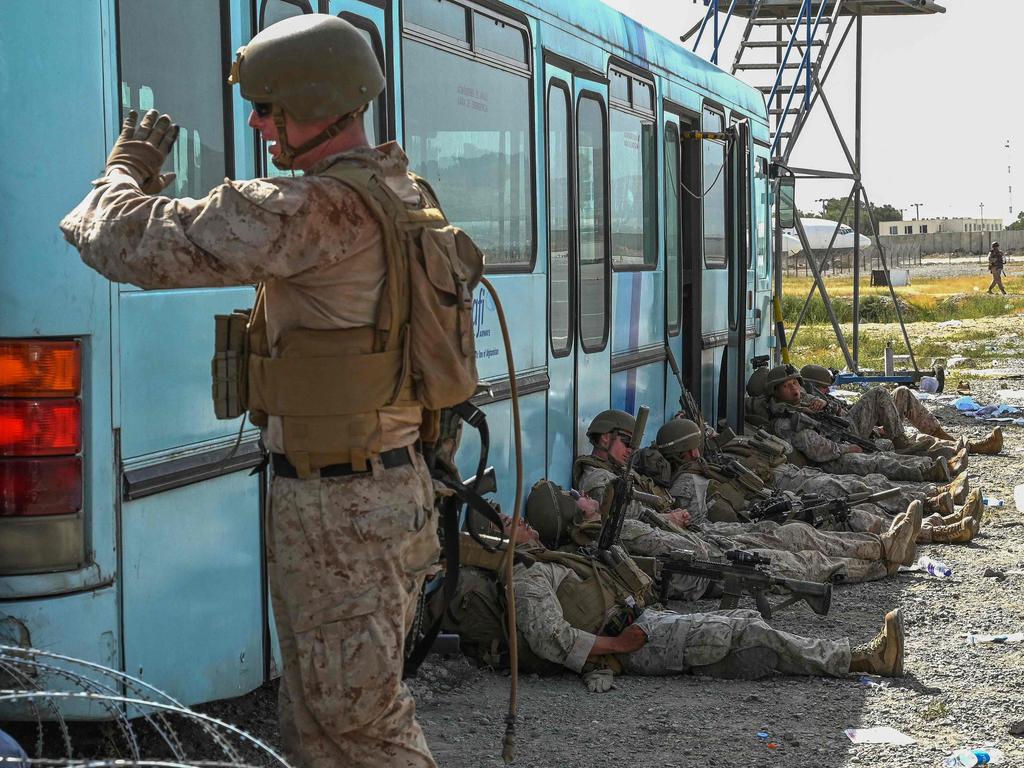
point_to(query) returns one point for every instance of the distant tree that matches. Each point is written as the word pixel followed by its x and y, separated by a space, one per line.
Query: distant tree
pixel 1019 223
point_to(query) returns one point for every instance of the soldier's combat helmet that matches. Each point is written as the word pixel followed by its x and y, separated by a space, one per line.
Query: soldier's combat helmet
pixel 551 512
pixel 611 420
pixel 818 375
pixel 755 384
pixel 677 437
pixel 779 375
pixel 313 66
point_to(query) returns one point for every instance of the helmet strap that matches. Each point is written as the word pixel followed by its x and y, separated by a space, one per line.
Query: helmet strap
pixel 288 154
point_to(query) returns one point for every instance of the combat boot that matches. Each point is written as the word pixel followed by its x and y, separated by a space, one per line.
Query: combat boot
pixel 957 533
pixel 973 509
pixel 898 542
pixel 940 504
pixel 958 486
pixel 942 434
pixel 958 463
pixel 938 472
pixel 990 445
pixel 883 655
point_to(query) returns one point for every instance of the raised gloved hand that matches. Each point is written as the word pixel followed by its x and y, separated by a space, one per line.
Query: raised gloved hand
pixel 599 680
pixel 142 147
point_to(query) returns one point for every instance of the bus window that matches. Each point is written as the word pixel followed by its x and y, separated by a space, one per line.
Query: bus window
pixel 763 213
pixel 713 181
pixel 498 37
pixel 447 18
pixel 673 240
pixel 559 206
pixel 193 91
pixel 593 246
pixel 273 11
pixel 618 86
pixel 633 176
pixel 468 133
pixel 373 119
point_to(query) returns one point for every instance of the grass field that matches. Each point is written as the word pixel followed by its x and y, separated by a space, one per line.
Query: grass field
pixel 992 327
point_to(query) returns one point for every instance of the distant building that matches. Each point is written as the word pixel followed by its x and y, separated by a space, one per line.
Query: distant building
pixel 929 226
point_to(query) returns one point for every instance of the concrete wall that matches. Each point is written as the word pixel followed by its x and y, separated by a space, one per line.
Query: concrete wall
pixel 952 242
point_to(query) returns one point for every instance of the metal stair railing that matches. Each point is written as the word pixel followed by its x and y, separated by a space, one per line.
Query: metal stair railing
pixel 718 33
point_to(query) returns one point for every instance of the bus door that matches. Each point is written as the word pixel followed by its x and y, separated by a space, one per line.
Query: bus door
pixel 760 212
pixel 740 295
pixel 562 274
pixel 593 358
pixel 673 263
pixel 370 18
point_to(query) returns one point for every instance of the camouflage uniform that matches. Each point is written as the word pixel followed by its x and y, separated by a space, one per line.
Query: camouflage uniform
pixel 829 456
pixel 806 480
pixel 347 555
pixel 732 644
pixel 796 550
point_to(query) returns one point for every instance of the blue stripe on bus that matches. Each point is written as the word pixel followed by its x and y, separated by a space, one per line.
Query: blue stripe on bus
pixel 635 296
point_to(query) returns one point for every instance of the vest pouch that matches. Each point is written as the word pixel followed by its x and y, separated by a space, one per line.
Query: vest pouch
pixel 442 349
pixel 229 367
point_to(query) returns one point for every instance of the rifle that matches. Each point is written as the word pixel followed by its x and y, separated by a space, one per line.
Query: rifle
pixel 742 573
pixel 622 488
pixel 815 509
pixel 831 426
pixel 687 403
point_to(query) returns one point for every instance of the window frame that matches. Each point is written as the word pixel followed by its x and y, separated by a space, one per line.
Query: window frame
pixel 558 84
pixel 226 59
pixel 599 99
pixel 526 69
pixel 674 328
pixel 377 43
pixel 767 255
pixel 261 12
pixel 710 106
pixel 650 117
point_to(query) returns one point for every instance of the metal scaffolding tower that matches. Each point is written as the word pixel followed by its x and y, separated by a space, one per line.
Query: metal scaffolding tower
pixel 803 40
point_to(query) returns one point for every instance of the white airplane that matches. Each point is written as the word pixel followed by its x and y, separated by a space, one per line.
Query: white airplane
pixel 819 234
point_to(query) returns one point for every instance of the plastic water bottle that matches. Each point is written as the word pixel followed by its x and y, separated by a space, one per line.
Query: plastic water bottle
pixel 934 567
pixel 972 757
pixel 991 501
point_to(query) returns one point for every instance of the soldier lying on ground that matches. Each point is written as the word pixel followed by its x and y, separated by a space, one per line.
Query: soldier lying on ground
pixel 822 445
pixel 878 408
pixel 576 612
pixel 796 550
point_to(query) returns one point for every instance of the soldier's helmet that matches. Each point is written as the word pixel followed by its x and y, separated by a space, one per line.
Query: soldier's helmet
pixel 755 384
pixel 312 66
pixel 779 375
pixel 551 512
pixel 611 420
pixel 994 245
pixel 677 437
pixel 817 374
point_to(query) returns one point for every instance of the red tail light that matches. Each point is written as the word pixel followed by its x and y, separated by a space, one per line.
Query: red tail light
pixel 40 427
pixel 40 487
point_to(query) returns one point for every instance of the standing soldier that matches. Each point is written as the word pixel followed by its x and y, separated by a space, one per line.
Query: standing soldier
pixel 352 531
pixel 996 264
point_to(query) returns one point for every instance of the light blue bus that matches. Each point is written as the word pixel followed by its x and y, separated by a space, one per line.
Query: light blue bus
pixel 554 132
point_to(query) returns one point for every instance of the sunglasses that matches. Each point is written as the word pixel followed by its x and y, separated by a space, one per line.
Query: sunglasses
pixel 262 109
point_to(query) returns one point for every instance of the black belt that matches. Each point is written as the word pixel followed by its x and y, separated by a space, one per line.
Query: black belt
pixel 396 457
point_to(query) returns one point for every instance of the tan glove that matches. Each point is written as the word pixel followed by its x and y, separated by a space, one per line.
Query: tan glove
pixel 599 680
pixel 141 149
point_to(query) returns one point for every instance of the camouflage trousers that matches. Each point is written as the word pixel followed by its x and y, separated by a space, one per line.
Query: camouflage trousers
pixel 800 551
pixel 730 644
pixel 876 409
pixel 801 480
pixel 913 411
pixel 639 538
pixel 893 466
pixel 347 557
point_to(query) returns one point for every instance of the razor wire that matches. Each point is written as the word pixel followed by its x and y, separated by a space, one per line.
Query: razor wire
pixel 40 687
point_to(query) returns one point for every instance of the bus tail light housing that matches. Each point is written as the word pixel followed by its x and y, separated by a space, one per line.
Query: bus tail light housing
pixel 41 478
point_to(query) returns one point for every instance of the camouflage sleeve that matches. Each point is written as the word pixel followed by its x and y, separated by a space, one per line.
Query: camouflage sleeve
pixel 690 493
pixel 814 446
pixel 241 233
pixel 595 481
pixel 539 617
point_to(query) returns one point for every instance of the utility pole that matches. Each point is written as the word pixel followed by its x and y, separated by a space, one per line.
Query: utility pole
pixel 917 210
pixel 982 206
pixel 1009 175
pixel 824 205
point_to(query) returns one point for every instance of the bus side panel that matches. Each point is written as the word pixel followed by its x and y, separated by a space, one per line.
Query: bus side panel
pixel 166 346
pixel 641 386
pixel 81 627
pixel 523 298
pixel 193 618
pixel 638 318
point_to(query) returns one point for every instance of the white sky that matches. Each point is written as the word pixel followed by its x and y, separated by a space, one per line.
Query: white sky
pixel 942 95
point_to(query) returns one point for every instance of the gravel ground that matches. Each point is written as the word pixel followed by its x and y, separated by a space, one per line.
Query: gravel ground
pixel 954 694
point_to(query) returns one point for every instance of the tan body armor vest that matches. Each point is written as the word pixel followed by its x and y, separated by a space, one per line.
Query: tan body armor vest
pixel 641 482
pixel 726 498
pixel 328 386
